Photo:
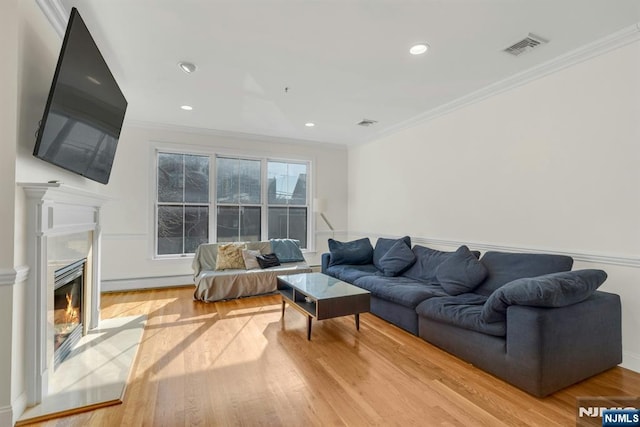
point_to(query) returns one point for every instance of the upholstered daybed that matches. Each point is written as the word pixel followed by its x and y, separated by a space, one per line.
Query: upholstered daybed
pixel 220 284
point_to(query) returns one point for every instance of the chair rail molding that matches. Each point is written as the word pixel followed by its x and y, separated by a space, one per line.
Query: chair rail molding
pixel 624 261
pixel 13 276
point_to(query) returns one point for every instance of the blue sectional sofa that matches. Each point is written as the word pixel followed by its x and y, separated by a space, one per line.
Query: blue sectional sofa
pixel 525 318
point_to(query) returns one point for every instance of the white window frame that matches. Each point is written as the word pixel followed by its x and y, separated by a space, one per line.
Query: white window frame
pixel 157 203
pixel 308 199
pixel 176 148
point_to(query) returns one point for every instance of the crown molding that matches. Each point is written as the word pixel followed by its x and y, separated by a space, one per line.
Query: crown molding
pixel 58 17
pixel 56 14
pixel 169 127
pixel 599 47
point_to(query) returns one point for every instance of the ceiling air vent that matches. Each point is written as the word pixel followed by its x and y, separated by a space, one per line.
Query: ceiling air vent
pixel 525 45
pixel 367 122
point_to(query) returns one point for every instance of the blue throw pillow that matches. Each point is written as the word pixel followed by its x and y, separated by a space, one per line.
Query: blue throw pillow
pixel 461 272
pixel 356 252
pixel 397 259
pixel 383 245
pixel 550 290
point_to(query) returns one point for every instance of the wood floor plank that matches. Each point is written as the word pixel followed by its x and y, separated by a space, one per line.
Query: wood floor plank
pixel 238 363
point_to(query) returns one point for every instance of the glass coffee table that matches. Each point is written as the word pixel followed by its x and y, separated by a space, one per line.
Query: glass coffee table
pixel 319 296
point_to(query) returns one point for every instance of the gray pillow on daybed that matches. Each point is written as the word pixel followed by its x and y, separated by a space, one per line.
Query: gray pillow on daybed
pixel 461 272
pixel 397 259
pixel 287 250
pixel 550 290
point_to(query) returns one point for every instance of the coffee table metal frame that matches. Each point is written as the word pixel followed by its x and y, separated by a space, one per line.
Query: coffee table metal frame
pixel 319 296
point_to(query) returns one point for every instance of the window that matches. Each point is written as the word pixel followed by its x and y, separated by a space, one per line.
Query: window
pixel 239 200
pixel 255 199
pixel 287 201
pixel 182 203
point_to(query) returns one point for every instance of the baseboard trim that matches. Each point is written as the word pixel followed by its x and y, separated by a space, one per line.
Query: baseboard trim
pixel 19 406
pixel 631 361
pixel 484 246
pixel 6 416
pixel 135 284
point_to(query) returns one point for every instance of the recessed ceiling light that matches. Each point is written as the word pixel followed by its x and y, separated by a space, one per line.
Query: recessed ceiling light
pixel 309 124
pixel 187 67
pixel 187 107
pixel 419 49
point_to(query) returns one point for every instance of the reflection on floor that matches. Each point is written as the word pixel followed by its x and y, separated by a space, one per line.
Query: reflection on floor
pixel 95 374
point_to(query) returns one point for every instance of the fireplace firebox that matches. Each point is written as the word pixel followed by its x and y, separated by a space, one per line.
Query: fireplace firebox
pixel 67 308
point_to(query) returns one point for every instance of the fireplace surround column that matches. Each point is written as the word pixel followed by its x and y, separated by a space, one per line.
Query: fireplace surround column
pixel 54 210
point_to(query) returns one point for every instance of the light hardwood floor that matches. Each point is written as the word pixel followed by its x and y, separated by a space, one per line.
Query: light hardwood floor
pixel 237 363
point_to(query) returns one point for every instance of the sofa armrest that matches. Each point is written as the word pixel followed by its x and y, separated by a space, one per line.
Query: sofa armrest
pixel 551 348
pixel 326 259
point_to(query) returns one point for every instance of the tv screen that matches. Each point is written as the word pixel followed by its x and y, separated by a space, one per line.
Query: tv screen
pixel 85 109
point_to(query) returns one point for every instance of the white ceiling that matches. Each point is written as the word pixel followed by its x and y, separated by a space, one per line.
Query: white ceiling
pixel 342 60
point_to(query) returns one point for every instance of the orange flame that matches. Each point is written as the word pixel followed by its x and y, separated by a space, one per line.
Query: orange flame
pixel 71 314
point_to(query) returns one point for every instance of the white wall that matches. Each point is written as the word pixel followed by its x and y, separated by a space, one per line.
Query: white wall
pixel 30 50
pixel 551 165
pixel 128 231
pixel 39 50
pixel 8 120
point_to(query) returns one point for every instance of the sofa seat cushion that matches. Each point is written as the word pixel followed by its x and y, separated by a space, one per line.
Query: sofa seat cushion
pixel 464 310
pixel 383 245
pixel 504 267
pixel 350 273
pixel 551 290
pixel 399 290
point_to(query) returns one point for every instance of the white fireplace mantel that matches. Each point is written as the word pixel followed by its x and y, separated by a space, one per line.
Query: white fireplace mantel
pixel 55 209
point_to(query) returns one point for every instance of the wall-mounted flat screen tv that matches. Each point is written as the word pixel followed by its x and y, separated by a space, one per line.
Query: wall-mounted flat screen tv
pixel 85 109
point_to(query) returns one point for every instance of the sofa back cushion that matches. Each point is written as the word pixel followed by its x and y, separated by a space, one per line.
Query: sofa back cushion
pixel 263 246
pixel 427 261
pixel 550 290
pixel 397 259
pixel 356 252
pixel 461 272
pixel 504 267
pixel 382 247
pixel 205 258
